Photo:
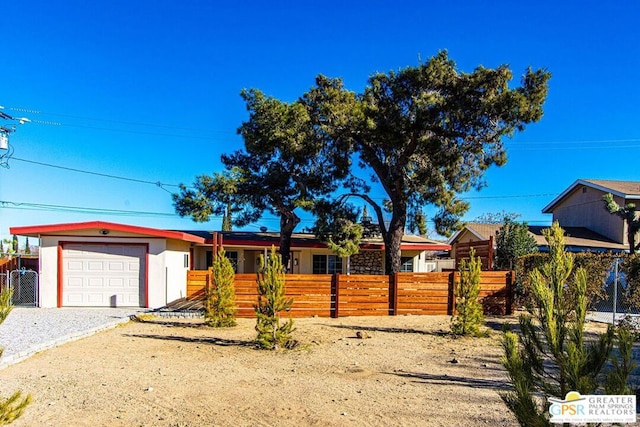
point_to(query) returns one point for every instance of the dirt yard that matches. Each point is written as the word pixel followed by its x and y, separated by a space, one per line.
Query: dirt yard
pixel 404 371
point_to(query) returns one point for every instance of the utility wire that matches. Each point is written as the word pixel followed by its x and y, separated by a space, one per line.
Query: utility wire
pixel 520 145
pixel 162 185
pixel 142 181
pixel 118 212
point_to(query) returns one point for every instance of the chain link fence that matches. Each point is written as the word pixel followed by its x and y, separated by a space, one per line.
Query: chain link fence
pixel 24 284
pixel 613 307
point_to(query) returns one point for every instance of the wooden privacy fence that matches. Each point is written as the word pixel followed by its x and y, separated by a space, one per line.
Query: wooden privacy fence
pixel 483 249
pixel 338 295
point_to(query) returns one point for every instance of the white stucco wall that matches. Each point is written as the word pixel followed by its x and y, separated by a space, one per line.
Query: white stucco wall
pixel 175 271
pixel 165 268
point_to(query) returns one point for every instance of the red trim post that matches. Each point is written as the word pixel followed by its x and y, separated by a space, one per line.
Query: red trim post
pixel 146 276
pixel 214 246
pixel 60 264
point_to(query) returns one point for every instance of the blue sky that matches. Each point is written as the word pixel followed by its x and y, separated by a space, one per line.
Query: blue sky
pixel 149 91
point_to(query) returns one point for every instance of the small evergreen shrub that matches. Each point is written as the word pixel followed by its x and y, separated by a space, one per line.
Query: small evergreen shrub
pixel 12 407
pixel 549 356
pixel 272 334
pixel 469 317
pixel 220 304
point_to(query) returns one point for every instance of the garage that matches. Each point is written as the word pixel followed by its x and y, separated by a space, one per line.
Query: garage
pixel 107 264
pixel 103 275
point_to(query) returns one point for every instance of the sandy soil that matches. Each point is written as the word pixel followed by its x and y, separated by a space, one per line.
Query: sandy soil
pixel 166 372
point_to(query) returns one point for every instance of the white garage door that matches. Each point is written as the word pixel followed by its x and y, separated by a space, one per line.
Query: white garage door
pixel 100 275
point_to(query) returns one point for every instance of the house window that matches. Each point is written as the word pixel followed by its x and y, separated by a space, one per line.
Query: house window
pixel 231 256
pixel 406 264
pixel 327 264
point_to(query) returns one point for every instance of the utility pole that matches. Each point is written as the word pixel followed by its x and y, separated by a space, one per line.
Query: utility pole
pixel 6 151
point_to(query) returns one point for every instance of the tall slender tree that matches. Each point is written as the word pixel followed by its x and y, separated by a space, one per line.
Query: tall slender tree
pixel 426 133
pixel 512 241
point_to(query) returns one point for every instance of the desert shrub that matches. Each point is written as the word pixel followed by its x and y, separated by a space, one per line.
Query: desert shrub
pixel 12 407
pixel 597 266
pixel 549 356
pixel 272 334
pixel 220 304
pixel 630 266
pixel 469 317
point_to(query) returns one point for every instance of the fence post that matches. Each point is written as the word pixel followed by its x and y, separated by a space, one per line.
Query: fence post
pixel 509 299
pixel 452 299
pixel 335 291
pixel 393 294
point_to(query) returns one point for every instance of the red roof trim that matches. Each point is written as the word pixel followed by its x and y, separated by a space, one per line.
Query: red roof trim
pixel 376 246
pixel 37 230
pixel 267 244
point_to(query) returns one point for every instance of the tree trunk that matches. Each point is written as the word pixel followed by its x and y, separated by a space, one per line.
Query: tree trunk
pixel 393 241
pixel 288 223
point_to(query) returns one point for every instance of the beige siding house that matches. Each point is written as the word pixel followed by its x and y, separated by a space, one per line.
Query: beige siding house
pixel 581 205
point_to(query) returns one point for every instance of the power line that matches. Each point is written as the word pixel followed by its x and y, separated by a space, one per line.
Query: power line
pixel 127 123
pixel 104 175
pixel 162 185
pixel 77 209
pixel 516 144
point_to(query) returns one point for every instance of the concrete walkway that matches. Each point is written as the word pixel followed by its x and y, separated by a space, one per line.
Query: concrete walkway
pixel 29 330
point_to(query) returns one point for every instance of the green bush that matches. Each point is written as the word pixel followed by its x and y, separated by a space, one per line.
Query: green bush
pixel 272 334
pixel 469 317
pixel 220 304
pixel 12 407
pixel 550 355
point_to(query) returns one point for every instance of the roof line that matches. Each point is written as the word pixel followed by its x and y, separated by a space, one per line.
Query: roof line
pixel 37 230
pixel 547 209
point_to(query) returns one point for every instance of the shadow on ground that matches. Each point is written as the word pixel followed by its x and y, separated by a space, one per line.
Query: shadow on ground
pixel 197 340
pixel 452 380
pixel 166 322
pixel 355 328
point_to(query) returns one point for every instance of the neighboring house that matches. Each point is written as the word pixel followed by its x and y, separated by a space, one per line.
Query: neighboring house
pixel 103 264
pixel 581 205
pixel 310 256
pixel 577 239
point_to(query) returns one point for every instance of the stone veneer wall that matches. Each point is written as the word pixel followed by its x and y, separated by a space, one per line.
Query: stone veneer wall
pixel 367 262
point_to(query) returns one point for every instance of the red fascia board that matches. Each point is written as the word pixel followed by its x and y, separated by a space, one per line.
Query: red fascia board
pixel 266 244
pixel 37 230
pixel 378 246
pixel 419 247
pixel 410 247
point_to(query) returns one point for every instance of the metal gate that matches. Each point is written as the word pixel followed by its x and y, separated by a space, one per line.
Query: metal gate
pixel 24 284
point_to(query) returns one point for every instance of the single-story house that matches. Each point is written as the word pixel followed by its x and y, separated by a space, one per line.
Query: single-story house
pixel 309 255
pixel 577 239
pixel 104 264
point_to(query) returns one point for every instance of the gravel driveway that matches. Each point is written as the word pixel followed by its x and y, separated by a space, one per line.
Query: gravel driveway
pixel 29 330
